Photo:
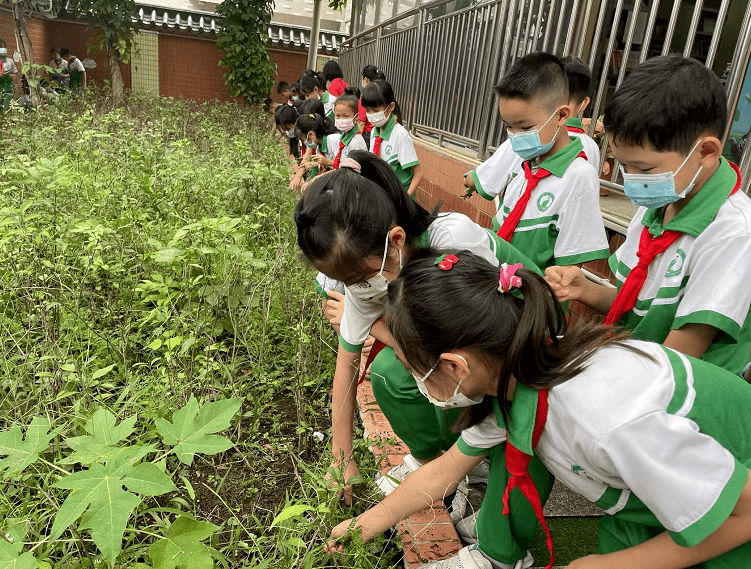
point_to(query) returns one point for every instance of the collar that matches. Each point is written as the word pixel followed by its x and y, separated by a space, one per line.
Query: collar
pixel 423 240
pixel 703 207
pixel 559 162
pixel 385 131
pixel 575 122
pixel 323 146
pixel 349 135
pixel 521 417
pixel 325 97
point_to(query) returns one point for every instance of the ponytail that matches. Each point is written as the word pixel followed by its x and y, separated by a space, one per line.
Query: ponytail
pixel 432 311
pixel 314 122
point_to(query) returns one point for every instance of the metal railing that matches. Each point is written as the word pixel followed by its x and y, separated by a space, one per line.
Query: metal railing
pixel 443 64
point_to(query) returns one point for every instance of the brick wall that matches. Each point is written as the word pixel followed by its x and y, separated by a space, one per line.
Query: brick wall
pixel 189 69
pixel 289 65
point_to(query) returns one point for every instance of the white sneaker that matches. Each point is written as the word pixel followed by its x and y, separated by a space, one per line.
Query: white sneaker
pixel 471 558
pixel 466 528
pixel 459 503
pixel 388 482
pixel 480 473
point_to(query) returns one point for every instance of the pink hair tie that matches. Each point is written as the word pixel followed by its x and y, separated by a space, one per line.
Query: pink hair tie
pixel 350 163
pixel 508 279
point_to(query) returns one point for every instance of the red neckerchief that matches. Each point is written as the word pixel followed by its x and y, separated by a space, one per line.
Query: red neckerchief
pixel 649 248
pixel 374 351
pixel 575 129
pixel 338 155
pixel 517 463
pixel 506 232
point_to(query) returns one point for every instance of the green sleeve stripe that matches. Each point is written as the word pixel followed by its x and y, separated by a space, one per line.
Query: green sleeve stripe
pixel 411 164
pixel 321 291
pixel 351 348
pixel 719 321
pixel 478 186
pixel 680 377
pixel 467 450
pixel 714 518
pixel 609 498
pixel 582 257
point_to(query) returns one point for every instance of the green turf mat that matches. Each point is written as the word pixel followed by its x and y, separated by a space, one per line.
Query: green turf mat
pixel 572 538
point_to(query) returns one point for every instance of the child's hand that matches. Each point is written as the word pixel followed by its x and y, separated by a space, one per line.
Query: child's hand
pixel 568 283
pixel 333 309
pixel 319 161
pixel 339 534
pixel 296 183
pixel 349 472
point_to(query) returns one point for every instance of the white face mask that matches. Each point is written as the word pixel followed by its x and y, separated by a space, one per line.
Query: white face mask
pixel 375 288
pixel 378 119
pixel 456 400
pixel 345 124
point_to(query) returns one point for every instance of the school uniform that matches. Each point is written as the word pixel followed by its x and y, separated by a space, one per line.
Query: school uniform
pixel 659 444
pixel 576 129
pixel 352 141
pixel 328 101
pixel 703 277
pixel 396 148
pixel 424 428
pixel 562 223
pixel 495 173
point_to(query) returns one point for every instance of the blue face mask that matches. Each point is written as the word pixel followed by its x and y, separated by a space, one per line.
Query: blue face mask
pixel 527 144
pixel 290 133
pixel 656 190
pixel 311 144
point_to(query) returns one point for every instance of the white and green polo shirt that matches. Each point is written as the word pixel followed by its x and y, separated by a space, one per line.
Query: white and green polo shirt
pixel 588 144
pixel 397 149
pixel 660 442
pixel 704 277
pixel 328 101
pixel 562 224
pixel 352 141
pixel 492 176
pixel 450 232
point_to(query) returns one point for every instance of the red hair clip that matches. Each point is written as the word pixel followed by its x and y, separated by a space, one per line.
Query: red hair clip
pixel 445 262
pixel 508 279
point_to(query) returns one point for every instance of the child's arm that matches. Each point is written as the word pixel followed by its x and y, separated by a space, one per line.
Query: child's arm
pixel 333 310
pixel 691 339
pixel 569 283
pixel 662 552
pixel 322 161
pixel 416 179
pixel 419 490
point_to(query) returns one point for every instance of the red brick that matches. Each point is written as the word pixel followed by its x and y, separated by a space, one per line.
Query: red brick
pixel 434 532
pixel 439 550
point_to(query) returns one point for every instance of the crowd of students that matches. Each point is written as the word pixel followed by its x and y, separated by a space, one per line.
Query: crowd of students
pixel 470 357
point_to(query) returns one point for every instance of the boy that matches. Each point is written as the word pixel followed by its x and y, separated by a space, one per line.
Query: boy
pixel 7 68
pixel 310 88
pixel 75 68
pixel 689 286
pixel 550 210
pixel 284 90
pixel 579 80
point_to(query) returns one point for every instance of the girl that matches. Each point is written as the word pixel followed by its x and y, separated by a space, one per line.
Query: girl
pixel 389 139
pixel 315 132
pixel 357 225
pixel 369 73
pixel 308 107
pixel 345 120
pixel 658 439
pixel 333 74
pixel 285 118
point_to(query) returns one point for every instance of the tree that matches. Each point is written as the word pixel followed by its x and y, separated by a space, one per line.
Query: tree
pixel 113 20
pixel 242 38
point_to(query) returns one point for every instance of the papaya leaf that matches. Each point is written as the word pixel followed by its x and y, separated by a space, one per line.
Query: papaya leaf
pixel 10 558
pixel 182 547
pixel 20 452
pixel 191 428
pixel 104 434
pixel 99 494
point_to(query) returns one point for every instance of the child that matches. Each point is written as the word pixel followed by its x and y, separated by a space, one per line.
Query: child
pixel 7 68
pixel 333 74
pixel 579 80
pixel 357 225
pixel 284 90
pixel 310 88
pixel 655 438
pixel 369 73
pixel 389 139
pixel 316 133
pixel 345 119
pixel 683 273
pixel 551 210
pixel 294 91
pixel 75 68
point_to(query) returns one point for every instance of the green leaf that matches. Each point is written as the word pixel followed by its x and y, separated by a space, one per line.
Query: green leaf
pixel 102 372
pixel 21 453
pixel 99 494
pixel 104 435
pixel 290 512
pixel 10 559
pixel 191 428
pixel 182 547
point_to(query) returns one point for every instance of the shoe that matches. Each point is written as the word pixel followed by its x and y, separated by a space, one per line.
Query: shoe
pixel 388 482
pixel 466 528
pixel 459 503
pixel 480 473
pixel 472 558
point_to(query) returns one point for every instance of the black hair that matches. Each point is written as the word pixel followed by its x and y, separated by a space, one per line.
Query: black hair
pixel 267 104
pixel 372 73
pixel 286 114
pixel 579 78
pixel 322 81
pixel 282 86
pixel 345 216
pixel 380 94
pixel 64 51
pixel 536 75
pixel 295 86
pixel 350 97
pixel 667 102
pixel 308 83
pixel 318 123
pixel 332 71
pixel 430 312
pixel 312 107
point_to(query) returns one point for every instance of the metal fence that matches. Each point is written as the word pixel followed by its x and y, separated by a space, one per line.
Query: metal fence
pixel 443 62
